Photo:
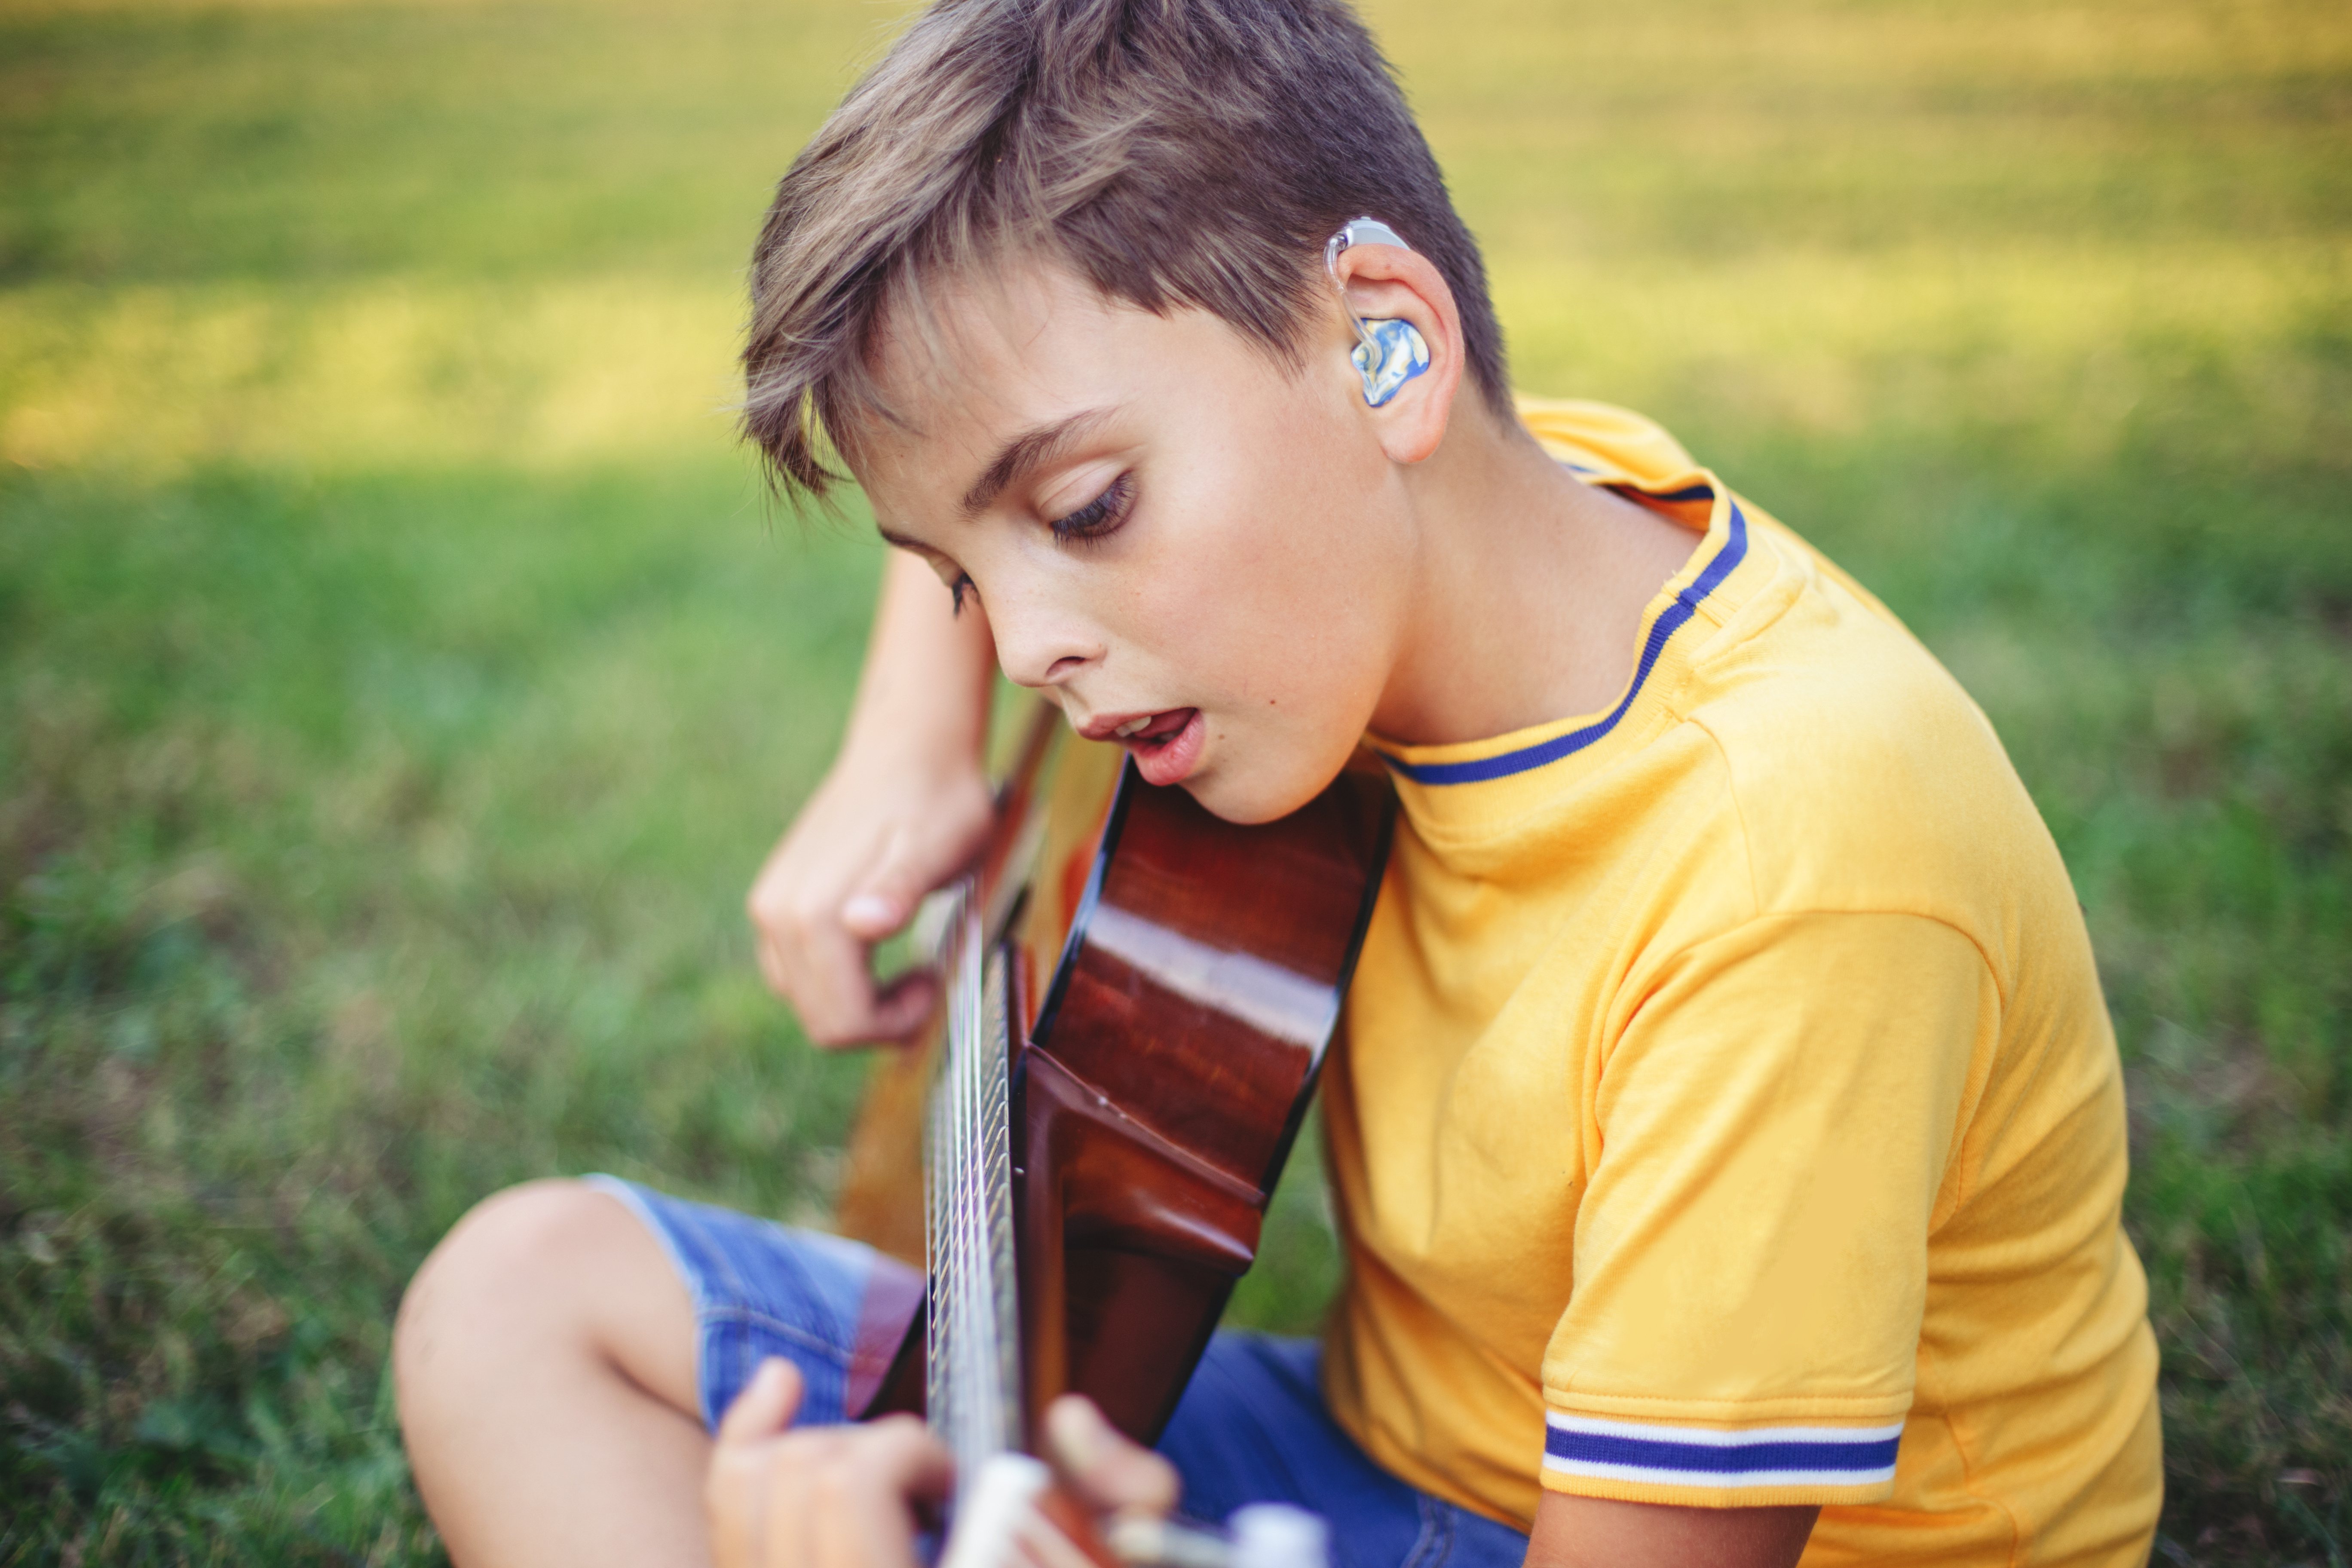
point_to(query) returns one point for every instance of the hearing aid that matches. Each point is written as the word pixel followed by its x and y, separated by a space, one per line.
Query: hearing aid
pixel 1388 353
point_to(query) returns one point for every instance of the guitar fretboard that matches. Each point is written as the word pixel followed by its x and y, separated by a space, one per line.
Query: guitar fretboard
pixel 973 1364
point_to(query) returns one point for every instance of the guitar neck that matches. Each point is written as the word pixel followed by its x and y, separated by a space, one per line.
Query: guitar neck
pixel 1137 999
pixel 972 1368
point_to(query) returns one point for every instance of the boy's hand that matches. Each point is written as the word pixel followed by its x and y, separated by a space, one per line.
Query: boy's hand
pixel 903 809
pixel 824 1497
pixel 878 834
pixel 848 1497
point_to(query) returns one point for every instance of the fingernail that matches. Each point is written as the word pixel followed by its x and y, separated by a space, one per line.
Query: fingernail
pixel 869 909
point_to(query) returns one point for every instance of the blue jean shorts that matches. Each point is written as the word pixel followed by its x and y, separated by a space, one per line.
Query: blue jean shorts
pixel 1252 1426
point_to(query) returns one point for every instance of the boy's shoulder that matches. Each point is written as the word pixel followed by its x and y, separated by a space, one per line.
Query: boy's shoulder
pixel 1863 778
pixel 1604 440
pixel 1858 773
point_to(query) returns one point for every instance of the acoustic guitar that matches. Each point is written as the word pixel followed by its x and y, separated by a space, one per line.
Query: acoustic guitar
pixel 1137 999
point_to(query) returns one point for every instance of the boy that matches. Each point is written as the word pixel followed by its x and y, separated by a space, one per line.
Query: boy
pixel 1726 1133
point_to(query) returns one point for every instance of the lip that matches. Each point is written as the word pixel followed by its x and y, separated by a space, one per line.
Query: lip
pixel 1178 749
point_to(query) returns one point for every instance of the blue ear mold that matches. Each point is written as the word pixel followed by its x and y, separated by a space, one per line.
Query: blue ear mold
pixel 1393 355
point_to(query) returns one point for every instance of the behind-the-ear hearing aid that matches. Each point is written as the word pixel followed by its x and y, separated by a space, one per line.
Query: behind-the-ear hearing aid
pixel 1387 353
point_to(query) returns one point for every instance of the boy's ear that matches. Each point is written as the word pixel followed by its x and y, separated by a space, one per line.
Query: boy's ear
pixel 1389 283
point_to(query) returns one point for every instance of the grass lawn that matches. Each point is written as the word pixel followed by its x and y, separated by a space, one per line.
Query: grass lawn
pixel 401 675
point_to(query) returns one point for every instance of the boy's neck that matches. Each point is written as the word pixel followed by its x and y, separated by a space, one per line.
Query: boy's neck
pixel 1529 588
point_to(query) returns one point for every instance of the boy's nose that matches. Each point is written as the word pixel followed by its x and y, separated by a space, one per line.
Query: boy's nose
pixel 1037 647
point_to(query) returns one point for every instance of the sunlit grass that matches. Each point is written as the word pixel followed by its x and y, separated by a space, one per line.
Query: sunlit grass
pixel 157 379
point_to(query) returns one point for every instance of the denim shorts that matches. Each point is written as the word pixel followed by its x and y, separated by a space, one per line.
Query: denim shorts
pixel 1252 1426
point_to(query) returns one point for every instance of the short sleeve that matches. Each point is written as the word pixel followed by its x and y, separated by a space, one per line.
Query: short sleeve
pixel 1774 1119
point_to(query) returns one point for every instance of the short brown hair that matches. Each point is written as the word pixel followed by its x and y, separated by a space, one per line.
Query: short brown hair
pixel 1174 153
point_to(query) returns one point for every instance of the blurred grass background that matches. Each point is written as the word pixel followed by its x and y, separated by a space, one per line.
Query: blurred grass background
pixel 401 675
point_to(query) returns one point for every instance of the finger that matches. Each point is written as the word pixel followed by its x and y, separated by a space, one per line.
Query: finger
pixel 830 986
pixel 905 1457
pixel 873 913
pixel 885 901
pixel 739 1491
pixel 808 957
pixel 860 1501
pixel 771 963
pixel 766 1407
pixel 905 1004
pixel 928 850
pixel 1104 1468
pixel 791 1493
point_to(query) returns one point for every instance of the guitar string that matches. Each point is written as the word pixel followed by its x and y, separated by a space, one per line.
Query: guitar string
pixel 973 1359
pixel 995 1194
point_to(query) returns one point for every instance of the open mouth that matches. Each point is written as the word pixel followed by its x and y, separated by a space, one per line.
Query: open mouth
pixel 1165 745
pixel 1154 729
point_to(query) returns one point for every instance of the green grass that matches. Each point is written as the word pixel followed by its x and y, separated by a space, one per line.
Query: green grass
pixel 399 676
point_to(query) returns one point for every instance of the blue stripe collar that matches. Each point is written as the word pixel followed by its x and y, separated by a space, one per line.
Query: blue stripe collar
pixel 1672 619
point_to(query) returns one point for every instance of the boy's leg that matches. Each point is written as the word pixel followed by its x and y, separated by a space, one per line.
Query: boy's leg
pixel 561 1354
pixel 545 1358
pixel 564 1352
pixel 1253 1427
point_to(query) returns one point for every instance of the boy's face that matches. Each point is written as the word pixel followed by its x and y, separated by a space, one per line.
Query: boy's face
pixel 1191 547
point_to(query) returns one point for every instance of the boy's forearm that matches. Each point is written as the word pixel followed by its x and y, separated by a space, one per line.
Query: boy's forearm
pixel 929 672
pixel 1594 1532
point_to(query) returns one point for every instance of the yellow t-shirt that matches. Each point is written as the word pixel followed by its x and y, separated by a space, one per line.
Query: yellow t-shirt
pixel 1728 1112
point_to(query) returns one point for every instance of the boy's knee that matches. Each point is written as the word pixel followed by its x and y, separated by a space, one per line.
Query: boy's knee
pixel 552 1296
pixel 522 1261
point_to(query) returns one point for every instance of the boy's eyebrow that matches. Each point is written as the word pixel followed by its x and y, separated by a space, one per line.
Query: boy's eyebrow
pixel 1030 449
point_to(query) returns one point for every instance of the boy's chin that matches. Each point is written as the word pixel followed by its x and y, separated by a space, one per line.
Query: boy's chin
pixel 1246 797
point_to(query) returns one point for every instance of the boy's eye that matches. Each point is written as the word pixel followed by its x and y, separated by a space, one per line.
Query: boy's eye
pixel 1099 516
pixel 961 588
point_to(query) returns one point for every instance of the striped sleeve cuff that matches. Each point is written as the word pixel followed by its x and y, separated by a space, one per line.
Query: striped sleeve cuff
pixel 1756 1466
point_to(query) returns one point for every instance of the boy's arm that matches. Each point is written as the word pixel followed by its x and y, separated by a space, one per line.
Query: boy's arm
pixel 1751 1267
pixel 1600 1533
pixel 904 806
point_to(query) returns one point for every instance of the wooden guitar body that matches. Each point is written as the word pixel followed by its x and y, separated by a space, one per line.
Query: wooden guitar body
pixel 1175 981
